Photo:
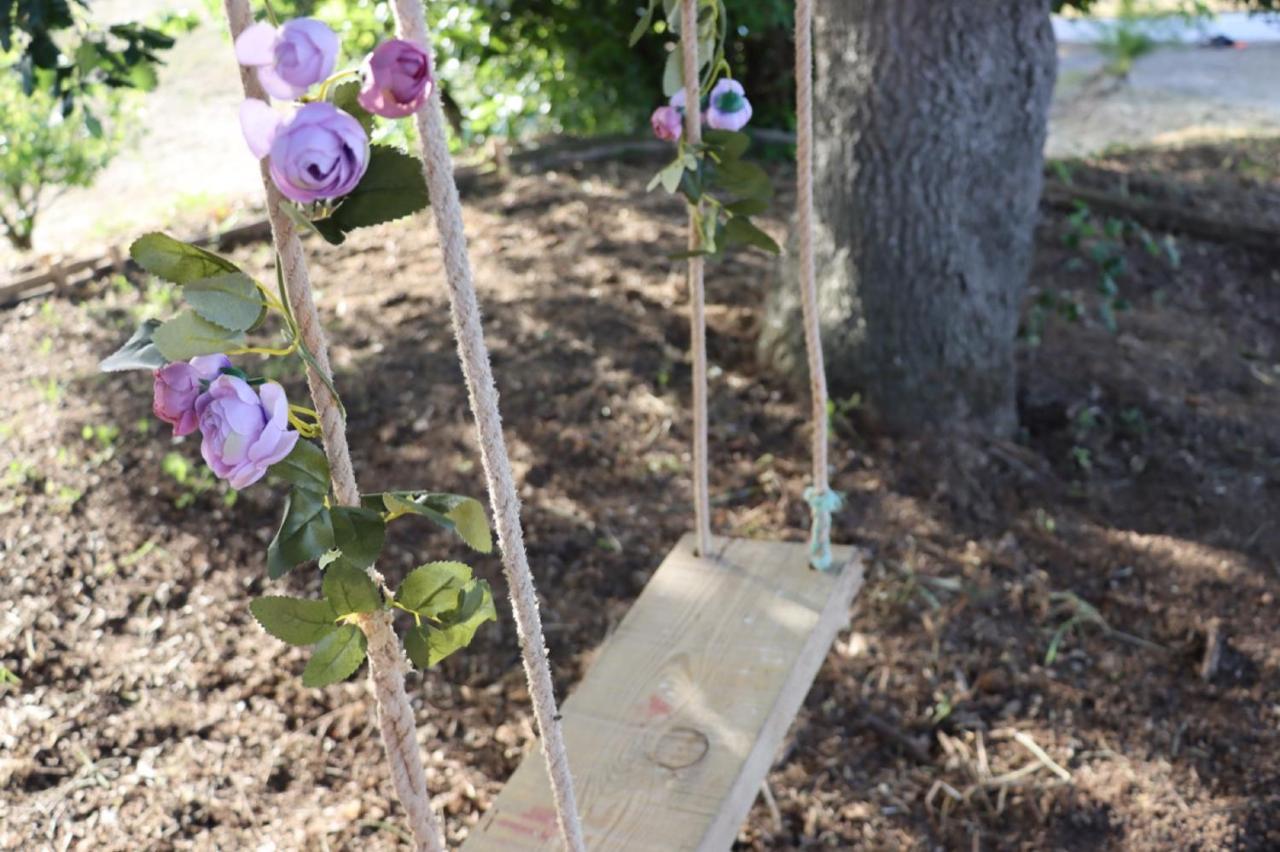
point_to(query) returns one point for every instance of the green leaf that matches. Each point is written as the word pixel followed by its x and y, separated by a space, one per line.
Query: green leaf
pixel 745 180
pixel 741 231
pixel 428 644
pixel 426 589
pixel 463 515
pixel 138 353
pixel 188 335
pixel 469 519
pixel 392 187
pixel 230 300
pixel 306 467
pixel 642 26
pixel 176 261
pixel 307 358
pixel 305 533
pixel 336 657
pixel 670 176
pixel 410 503
pixel 747 207
pixel 359 533
pixel 475 607
pixel 345 97
pixel 294 620
pixel 672 73
pixel 417 647
pixel 729 144
pixel 349 589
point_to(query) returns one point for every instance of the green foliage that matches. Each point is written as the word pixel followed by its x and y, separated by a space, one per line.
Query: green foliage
pixel 54 46
pixel 188 335
pixel 349 590
pixel 305 534
pixel 176 261
pixel 517 70
pixel 336 657
pixel 454 605
pixel 45 151
pixel 431 589
pixel 230 300
pixel 359 534
pixel 195 480
pixel 392 187
pixel 1100 247
pixel 294 620
pixel 463 515
pixel 306 467
pixel 138 353
pixel 731 191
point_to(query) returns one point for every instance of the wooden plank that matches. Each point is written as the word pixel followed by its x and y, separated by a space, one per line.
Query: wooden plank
pixel 675 726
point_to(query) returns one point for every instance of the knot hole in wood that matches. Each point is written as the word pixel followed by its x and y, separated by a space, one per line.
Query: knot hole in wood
pixel 679 748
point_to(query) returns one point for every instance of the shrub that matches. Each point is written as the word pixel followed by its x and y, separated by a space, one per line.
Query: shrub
pixel 44 152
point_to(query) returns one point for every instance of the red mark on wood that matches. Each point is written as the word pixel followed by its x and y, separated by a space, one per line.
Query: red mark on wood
pixel 658 706
pixel 536 822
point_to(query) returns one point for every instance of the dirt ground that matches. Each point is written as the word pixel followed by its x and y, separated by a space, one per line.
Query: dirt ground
pixel 1052 594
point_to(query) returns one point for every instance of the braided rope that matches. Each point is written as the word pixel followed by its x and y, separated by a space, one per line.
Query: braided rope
pixel 822 500
pixel 386 659
pixel 697 293
pixel 483 393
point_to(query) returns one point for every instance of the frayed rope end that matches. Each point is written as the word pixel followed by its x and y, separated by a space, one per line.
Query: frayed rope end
pixel 821 506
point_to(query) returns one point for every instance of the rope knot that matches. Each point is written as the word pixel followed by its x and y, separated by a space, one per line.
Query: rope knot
pixel 822 504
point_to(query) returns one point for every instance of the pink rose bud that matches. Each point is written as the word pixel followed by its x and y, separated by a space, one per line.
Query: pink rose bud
pixel 290 59
pixel 397 79
pixel 729 108
pixel 245 431
pixel 667 123
pixel 318 152
pixel 178 386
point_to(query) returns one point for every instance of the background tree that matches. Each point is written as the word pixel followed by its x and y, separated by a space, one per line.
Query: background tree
pixel 930 120
pixel 44 152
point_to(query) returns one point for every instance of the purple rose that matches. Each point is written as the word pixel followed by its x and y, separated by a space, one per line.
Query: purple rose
pixel 729 108
pixel 178 386
pixel 244 432
pixel 397 79
pixel 668 123
pixel 318 152
pixel 291 59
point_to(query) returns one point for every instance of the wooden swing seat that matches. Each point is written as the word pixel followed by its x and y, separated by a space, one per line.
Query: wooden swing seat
pixel 675 726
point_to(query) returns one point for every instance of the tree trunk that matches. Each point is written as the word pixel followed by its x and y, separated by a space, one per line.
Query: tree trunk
pixel 930 127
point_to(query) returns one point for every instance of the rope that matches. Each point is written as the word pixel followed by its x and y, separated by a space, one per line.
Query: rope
pixel 386 659
pixel 697 294
pixel 483 393
pixel 822 500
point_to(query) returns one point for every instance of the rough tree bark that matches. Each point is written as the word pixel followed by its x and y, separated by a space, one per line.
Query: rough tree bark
pixel 930 123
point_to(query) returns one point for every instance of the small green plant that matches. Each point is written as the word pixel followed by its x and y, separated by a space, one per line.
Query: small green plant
pixel 18 473
pixel 840 410
pixel 1126 40
pixel 1100 245
pixel 8 678
pixel 104 433
pixel 1078 613
pixel 44 152
pixel 51 389
pixel 194 479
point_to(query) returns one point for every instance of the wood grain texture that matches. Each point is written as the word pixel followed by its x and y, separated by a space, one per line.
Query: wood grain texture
pixel 676 724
